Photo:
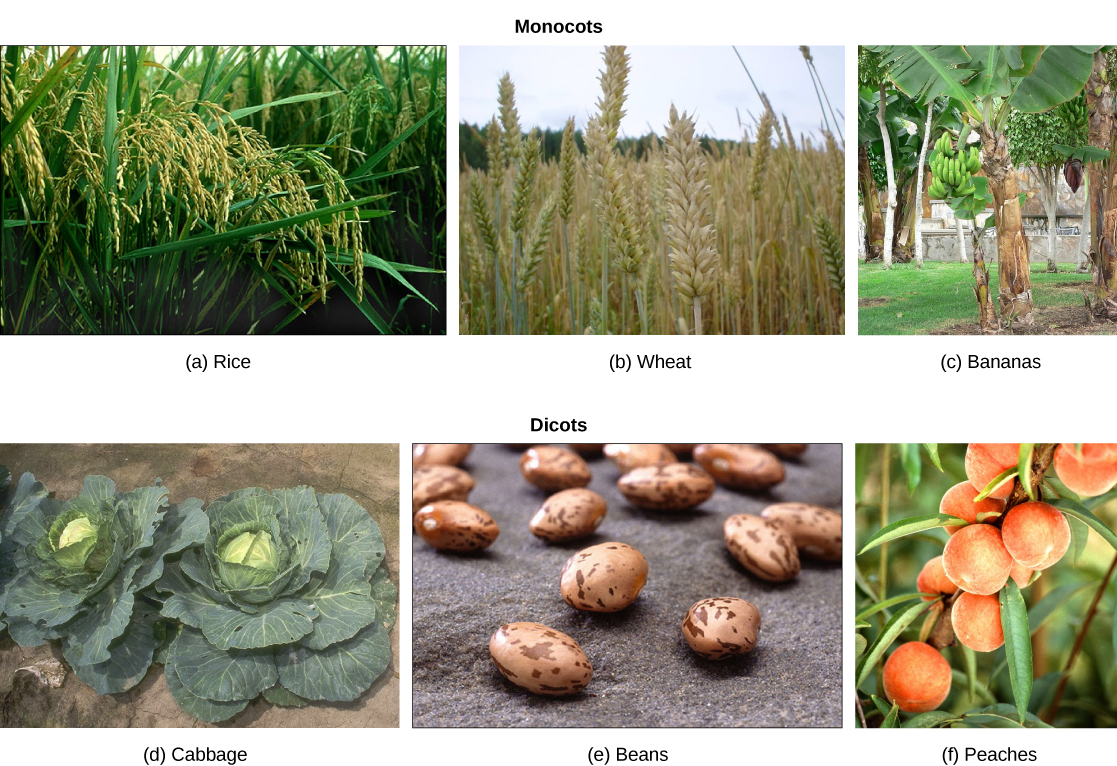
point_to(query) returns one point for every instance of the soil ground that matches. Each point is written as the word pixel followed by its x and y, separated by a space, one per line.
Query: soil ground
pixel 645 675
pixel 369 473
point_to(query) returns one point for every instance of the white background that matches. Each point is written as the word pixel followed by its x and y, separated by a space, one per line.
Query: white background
pixel 335 389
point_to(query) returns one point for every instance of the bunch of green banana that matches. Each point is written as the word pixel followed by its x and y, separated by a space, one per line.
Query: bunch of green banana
pixel 1074 112
pixel 944 146
pixel 952 175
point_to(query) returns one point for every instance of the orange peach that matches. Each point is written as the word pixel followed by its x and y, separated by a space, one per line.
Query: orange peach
pixel 959 501
pixel 976 559
pixel 1036 535
pixel 1020 574
pixel 1088 473
pixel 977 622
pixel 932 579
pixel 916 677
pixel 984 462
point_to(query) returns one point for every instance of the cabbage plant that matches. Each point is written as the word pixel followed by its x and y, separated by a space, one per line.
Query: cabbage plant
pixel 288 597
pixel 78 571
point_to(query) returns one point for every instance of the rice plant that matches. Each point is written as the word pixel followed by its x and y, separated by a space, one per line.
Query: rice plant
pixel 671 233
pixel 223 189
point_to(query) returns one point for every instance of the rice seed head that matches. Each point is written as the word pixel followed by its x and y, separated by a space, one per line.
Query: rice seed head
pixel 690 235
pixel 494 148
pixel 613 205
pixel 614 80
pixel 509 117
pixel 525 183
pixel 763 151
pixel 568 158
pixel 404 120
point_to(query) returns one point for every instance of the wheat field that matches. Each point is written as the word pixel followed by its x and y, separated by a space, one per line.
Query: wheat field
pixel 666 234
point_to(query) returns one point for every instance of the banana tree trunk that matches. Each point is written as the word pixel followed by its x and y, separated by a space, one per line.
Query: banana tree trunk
pixel 920 180
pixel 874 230
pixel 890 211
pixel 986 316
pixel 961 240
pixel 1013 253
pixel 1102 179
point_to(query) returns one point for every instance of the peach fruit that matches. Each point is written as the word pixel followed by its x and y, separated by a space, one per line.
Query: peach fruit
pixel 1036 535
pixel 959 501
pixel 932 579
pixel 916 677
pixel 984 462
pixel 977 622
pixel 1090 473
pixel 976 559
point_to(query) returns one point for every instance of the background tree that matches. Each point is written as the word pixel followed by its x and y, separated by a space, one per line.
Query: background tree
pixel 1032 139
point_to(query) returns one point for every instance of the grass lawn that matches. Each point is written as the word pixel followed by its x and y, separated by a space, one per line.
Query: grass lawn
pixel 940 298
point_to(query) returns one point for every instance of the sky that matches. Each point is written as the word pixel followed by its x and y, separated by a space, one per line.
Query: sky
pixel 554 83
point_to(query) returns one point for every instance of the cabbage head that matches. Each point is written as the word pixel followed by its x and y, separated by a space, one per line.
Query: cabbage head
pixel 81 571
pixel 288 597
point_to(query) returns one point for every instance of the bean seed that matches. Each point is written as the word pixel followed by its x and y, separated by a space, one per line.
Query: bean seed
pixel 740 466
pixel 761 547
pixel 540 659
pixel 451 525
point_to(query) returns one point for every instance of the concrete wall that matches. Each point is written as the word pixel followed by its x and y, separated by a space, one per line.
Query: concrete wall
pixel 943 246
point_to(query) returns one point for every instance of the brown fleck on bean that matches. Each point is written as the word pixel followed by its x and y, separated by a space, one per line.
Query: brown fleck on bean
pixel 629 457
pixel 786 451
pixel 719 628
pixel 554 468
pixel 762 548
pixel 438 482
pixel 439 454
pixel 603 578
pixel 450 525
pixel 569 515
pixel 740 466
pixel 540 659
pixel 671 487
pixel 815 530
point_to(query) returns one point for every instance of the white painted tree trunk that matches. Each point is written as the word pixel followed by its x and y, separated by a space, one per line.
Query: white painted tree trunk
pixel 961 239
pixel 890 214
pixel 1049 191
pixel 918 218
pixel 1082 260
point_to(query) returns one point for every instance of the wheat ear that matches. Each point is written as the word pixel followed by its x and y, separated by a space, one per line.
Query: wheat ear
pixel 509 117
pixel 690 236
pixel 614 80
pixel 763 151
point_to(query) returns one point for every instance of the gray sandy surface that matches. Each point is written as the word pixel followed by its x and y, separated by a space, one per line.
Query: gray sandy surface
pixel 645 675
pixel 369 473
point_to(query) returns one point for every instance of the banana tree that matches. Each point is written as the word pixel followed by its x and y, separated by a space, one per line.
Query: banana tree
pixel 1101 93
pixel 988 81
